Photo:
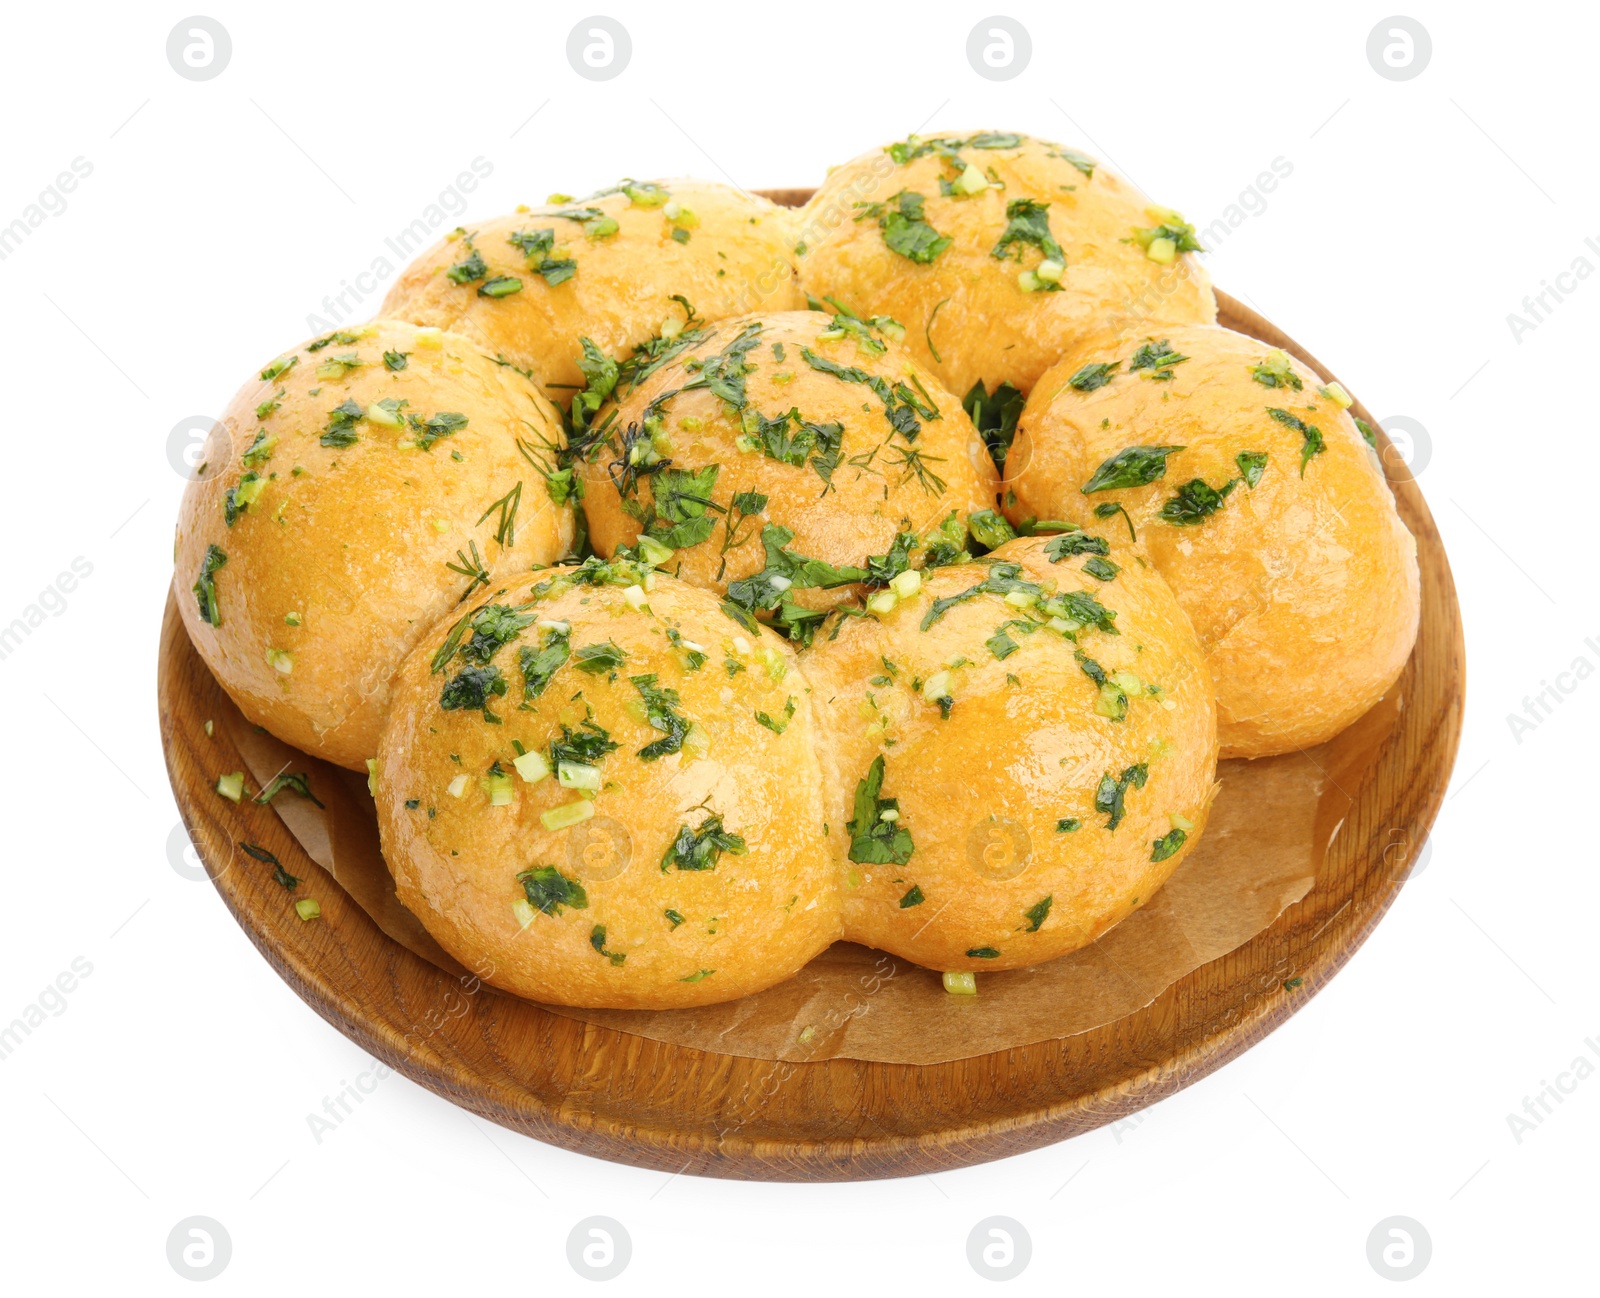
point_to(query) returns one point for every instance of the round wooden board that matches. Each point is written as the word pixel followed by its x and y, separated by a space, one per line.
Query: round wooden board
pixel 624 1097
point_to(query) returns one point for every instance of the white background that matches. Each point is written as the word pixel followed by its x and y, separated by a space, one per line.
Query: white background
pixel 218 214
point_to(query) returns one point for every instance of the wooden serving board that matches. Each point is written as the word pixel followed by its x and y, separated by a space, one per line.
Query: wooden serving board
pixel 635 1100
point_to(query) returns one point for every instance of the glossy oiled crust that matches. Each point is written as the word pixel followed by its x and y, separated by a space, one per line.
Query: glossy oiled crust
pixel 965 315
pixel 982 791
pixel 876 488
pixel 355 540
pixel 736 259
pixel 752 918
pixel 1303 590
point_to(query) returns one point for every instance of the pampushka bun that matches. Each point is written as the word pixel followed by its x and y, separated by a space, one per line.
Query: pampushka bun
pixel 352 494
pixel 771 458
pixel 640 825
pixel 608 781
pixel 615 268
pixel 997 252
pixel 1019 751
pixel 1254 494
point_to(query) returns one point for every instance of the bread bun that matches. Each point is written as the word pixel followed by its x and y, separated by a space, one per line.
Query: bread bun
pixel 761 442
pixel 1260 504
pixel 640 825
pixel 316 542
pixel 1018 753
pixel 948 235
pixel 530 285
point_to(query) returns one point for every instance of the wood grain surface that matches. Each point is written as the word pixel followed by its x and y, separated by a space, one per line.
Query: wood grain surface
pixel 623 1097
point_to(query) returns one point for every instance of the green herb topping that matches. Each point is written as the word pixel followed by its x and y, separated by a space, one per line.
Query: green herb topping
pixel 700 849
pixel 876 835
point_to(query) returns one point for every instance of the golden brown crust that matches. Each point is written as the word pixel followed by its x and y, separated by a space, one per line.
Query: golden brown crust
pixel 684 936
pixel 1028 739
pixel 840 506
pixel 735 258
pixel 1304 589
pixel 339 564
pixel 966 316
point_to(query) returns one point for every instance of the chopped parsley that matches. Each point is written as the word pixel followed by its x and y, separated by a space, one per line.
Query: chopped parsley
pixel 1100 569
pixel 792 440
pixel 1094 376
pixel 1081 161
pixel 1067 824
pixel 779 724
pixel 1038 912
pixel 500 286
pixel 471 268
pixel 682 498
pixel 597 939
pixel 1156 357
pixel 912 898
pixel 1108 798
pixel 1132 466
pixel 1313 444
pixel 342 420
pixel 588 745
pixel 1167 845
pixel 1028 222
pixel 239 498
pixel 493 627
pixel 876 835
pixel 1275 371
pixel 1003 579
pixel 982 953
pixel 280 876
pixel 425 432
pixel 989 529
pixel 205 586
pixel 905 227
pixel 599 659
pixel 995 416
pixel 700 849
pixel 1067 544
pixel 539 665
pixel 300 784
pixel 1252 464
pixel 395 360
pixel 470 690
pixel 1195 501
pixel 537 246
pixel 768 590
pixel 662 713
pixel 548 890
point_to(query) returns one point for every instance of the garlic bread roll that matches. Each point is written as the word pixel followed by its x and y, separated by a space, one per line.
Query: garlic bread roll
pixel 614 268
pixel 997 252
pixel 606 792
pixel 355 491
pixel 1019 751
pixel 1254 494
pixel 776 458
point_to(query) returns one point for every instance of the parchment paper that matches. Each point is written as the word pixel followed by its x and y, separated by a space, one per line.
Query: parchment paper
pixel 1272 823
